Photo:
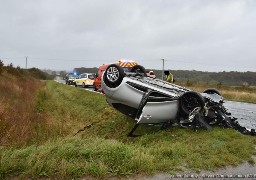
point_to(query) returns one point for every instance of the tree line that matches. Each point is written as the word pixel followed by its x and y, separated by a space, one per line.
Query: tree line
pixel 9 69
pixel 232 78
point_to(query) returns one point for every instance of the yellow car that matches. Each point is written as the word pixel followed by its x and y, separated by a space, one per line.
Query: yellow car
pixel 84 80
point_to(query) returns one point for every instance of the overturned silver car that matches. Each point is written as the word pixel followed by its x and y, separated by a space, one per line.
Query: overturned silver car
pixel 153 101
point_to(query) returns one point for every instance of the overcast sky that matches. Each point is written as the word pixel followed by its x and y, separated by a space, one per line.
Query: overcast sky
pixel 206 35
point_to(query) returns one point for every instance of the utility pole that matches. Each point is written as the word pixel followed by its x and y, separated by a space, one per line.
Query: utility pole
pixel 26 62
pixel 163 69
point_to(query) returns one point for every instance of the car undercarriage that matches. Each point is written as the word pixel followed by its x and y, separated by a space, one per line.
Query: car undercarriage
pixel 156 102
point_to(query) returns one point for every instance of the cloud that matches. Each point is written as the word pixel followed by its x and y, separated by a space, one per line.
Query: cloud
pixel 202 35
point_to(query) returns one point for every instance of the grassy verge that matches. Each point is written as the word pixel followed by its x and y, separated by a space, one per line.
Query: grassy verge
pixel 104 150
pixel 167 151
pixel 19 118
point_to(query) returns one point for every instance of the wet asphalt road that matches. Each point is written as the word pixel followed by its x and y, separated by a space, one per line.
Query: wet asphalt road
pixel 244 112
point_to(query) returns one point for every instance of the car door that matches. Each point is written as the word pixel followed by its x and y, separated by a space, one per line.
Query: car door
pixel 83 78
pixel 78 80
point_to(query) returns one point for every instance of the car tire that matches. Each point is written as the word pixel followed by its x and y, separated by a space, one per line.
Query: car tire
pixel 75 84
pixel 113 76
pixel 84 86
pixel 139 69
pixel 212 91
pixel 190 100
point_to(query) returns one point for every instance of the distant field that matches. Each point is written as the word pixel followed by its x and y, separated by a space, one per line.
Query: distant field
pixel 233 93
pixel 52 148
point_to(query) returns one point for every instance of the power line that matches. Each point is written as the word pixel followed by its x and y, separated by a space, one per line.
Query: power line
pixel 58 59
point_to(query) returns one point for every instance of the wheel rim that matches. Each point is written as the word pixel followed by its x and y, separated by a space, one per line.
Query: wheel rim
pixel 190 102
pixel 112 74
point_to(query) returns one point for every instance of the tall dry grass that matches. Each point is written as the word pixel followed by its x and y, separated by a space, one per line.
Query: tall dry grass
pixel 234 93
pixel 18 116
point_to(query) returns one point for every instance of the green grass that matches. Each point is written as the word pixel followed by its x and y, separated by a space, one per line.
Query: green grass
pixel 104 150
pixel 166 151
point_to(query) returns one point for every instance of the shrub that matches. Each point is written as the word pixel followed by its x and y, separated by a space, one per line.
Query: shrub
pixel 12 70
pixel 38 74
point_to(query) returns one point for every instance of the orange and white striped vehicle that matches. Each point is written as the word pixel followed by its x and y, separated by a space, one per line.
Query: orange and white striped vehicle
pixel 84 80
pixel 125 64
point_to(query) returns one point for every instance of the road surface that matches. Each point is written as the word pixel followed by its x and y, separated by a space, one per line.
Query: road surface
pixel 244 112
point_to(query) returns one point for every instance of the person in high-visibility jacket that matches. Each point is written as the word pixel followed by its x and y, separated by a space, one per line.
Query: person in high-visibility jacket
pixel 168 76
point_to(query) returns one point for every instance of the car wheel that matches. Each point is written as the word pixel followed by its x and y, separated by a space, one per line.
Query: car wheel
pixel 84 85
pixel 75 84
pixel 212 91
pixel 113 75
pixel 190 100
pixel 139 69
